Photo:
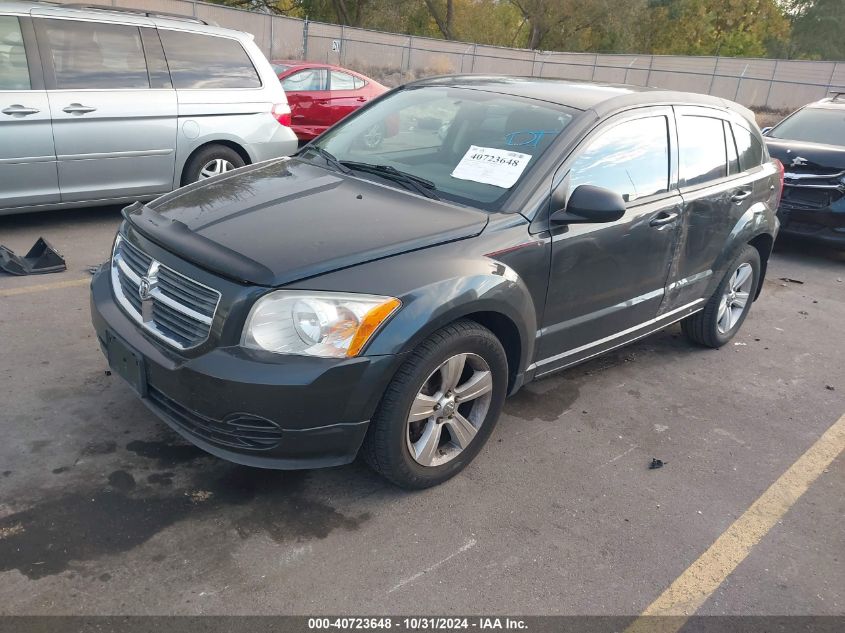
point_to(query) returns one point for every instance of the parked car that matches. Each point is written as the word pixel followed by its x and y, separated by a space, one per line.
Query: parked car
pixel 92 113
pixel 811 144
pixel 386 300
pixel 320 95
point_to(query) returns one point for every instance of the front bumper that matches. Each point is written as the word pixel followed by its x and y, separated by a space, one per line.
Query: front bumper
pixel 824 226
pixel 264 410
pixel 815 210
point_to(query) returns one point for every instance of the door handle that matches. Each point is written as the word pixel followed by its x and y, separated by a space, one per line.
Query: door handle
pixel 740 196
pixel 18 109
pixel 361 99
pixel 78 108
pixel 664 217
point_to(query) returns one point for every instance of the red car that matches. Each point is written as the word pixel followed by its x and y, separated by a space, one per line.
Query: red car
pixel 320 95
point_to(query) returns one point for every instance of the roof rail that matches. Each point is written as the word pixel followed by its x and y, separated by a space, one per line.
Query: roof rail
pixel 836 93
pixel 149 14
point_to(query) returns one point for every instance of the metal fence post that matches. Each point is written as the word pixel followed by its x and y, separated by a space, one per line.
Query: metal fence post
pixel 270 17
pixel 410 50
pixel 305 38
pixel 648 74
pixel 739 82
pixel 472 60
pixel 713 76
pixel 771 83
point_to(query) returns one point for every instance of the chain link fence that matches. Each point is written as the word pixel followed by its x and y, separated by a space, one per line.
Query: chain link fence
pixel 393 59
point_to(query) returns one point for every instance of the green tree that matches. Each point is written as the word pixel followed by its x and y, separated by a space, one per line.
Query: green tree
pixel 716 27
pixel 818 29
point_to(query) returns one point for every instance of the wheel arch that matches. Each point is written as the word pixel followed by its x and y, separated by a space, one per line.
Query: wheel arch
pixel 236 147
pixel 764 243
pixel 504 329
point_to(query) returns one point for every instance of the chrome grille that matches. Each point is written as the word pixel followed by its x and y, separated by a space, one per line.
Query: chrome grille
pixel 165 303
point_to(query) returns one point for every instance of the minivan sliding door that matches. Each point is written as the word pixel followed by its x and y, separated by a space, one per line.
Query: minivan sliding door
pixel 114 115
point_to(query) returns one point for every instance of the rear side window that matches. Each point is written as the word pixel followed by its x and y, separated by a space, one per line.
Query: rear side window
pixel 359 83
pixel 702 149
pixel 14 74
pixel 308 80
pixel 91 55
pixel 342 81
pixel 749 148
pixel 631 158
pixel 208 62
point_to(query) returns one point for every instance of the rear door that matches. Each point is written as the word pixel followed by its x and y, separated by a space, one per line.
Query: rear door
pixel 607 279
pixel 308 98
pixel 717 190
pixel 27 157
pixel 346 94
pixel 114 116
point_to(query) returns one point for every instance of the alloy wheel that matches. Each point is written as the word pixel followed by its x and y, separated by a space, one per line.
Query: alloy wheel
pixel 215 167
pixel 735 299
pixel 449 409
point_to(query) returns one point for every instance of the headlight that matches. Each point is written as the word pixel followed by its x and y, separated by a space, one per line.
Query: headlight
pixel 327 324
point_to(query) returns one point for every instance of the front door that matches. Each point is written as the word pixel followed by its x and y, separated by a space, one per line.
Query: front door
pixel 27 156
pixel 608 279
pixel 115 136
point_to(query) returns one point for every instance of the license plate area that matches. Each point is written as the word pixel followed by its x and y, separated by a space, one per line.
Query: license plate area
pixel 126 363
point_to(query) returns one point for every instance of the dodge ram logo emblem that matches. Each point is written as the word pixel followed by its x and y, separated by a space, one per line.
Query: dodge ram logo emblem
pixel 145 289
pixel 798 161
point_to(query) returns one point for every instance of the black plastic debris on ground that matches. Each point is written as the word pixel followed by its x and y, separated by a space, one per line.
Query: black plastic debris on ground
pixel 42 258
pixel 791 281
pixel 656 463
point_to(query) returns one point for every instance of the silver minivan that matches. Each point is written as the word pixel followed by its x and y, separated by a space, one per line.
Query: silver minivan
pixel 104 106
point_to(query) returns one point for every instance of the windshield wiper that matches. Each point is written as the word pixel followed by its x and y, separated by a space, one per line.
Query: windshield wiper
pixel 329 158
pixel 421 185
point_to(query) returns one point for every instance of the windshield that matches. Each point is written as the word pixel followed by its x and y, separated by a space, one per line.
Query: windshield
pixel 471 146
pixel 813 125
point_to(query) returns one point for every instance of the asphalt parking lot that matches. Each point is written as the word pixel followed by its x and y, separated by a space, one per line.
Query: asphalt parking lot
pixel 103 510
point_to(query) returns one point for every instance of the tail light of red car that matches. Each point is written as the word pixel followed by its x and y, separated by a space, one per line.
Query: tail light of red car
pixel 281 112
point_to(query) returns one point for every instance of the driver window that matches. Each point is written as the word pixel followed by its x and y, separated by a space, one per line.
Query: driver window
pixel 631 158
pixel 14 73
pixel 308 80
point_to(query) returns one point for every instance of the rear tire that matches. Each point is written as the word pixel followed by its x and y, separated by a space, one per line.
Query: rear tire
pixel 723 315
pixel 211 160
pixel 440 408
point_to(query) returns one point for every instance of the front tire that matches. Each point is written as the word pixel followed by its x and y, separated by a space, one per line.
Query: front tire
pixel 726 310
pixel 440 408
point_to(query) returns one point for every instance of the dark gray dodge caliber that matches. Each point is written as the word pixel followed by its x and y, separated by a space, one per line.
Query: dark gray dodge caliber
pixel 383 293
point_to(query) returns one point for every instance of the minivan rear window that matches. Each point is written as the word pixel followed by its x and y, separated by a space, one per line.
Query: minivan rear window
pixel 92 55
pixel 207 62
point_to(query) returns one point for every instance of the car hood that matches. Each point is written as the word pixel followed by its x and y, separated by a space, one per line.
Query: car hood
pixel 286 220
pixel 817 158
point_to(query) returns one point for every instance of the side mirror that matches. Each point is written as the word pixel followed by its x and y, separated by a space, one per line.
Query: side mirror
pixel 590 204
pixel 765 131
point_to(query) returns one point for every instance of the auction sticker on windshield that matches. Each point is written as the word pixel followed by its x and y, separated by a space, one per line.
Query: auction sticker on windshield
pixel 491 166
